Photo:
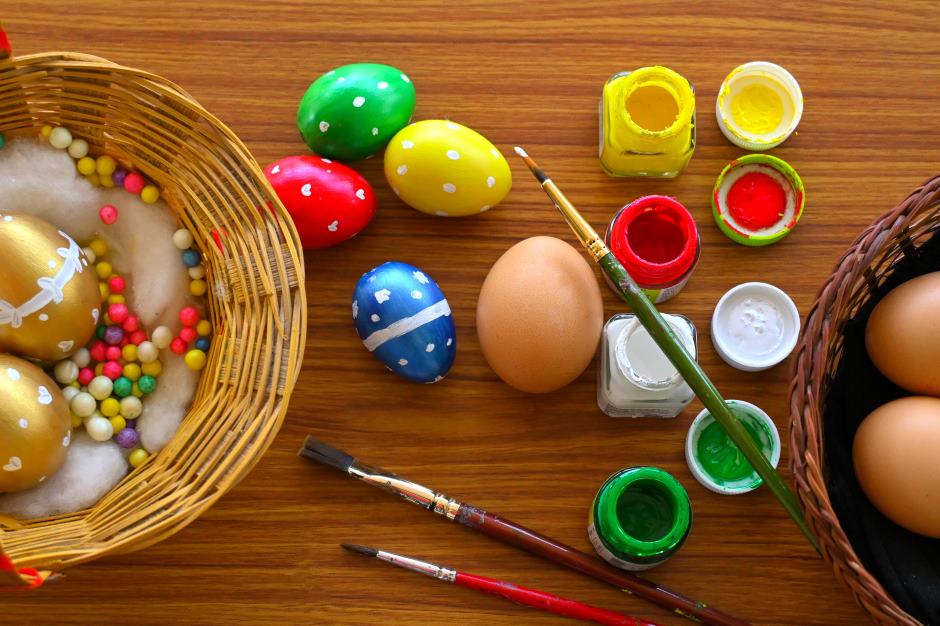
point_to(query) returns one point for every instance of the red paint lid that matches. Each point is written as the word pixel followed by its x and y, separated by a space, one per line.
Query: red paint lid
pixel 656 240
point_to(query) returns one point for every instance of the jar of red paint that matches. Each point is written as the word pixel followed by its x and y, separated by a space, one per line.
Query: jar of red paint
pixel 656 240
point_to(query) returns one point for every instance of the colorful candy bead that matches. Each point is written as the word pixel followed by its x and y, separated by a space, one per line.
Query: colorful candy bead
pixel 46 131
pixel 134 183
pixel 113 335
pixel 83 404
pixel 131 324
pixel 78 148
pixel 118 176
pixel 202 344
pixel 118 423
pixel 108 214
pixel 197 272
pixel 131 407
pixel 154 368
pixel 100 387
pixel 123 387
pixel 189 316
pixel 99 428
pixel 147 351
pixel 85 375
pixel 195 360
pixel 127 438
pixel 60 138
pixel 105 165
pixel 116 284
pixel 138 337
pixel 66 371
pixel 98 246
pixel 204 328
pixel 149 194
pixel 198 288
pixel 138 457
pixel 113 353
pixel 81 358
pixel 178 346
pixel 191 258
pixel 112 369
pixel 70 392
pixel 147 384
pixel 161 337
pixel 118 313
pixel 103 269
pixel 183 239
pixel 109 407
pixel 188 334
pixel 132 371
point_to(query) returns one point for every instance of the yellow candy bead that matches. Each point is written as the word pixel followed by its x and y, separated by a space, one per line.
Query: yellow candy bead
pixel 86 166
pixel 204 328
pixel 75 384
pixel 105 165
pixel 76 421
pixel 150 194
pixel 195 360
pixel 131 371
pixel 103 290
pixel 129 353
pixel 119 423
pixel 106 181
pixel 116 298
pixel 99 247
pixel 46 131
pixel 109 407
pixel 93 180
pixel 99 369
pixel 154 368
pixel 198 288
pixel 137 457
pixel 103 269
pixel 136 391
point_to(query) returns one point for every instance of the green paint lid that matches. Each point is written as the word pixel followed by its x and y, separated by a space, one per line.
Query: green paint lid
pixel 779 170
pixel 714 459
pixel 641 516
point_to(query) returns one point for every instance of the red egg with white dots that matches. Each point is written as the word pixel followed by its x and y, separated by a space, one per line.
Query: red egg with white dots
pixel 328 201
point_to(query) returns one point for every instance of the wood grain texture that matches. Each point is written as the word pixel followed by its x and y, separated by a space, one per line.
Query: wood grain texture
pixel 527 74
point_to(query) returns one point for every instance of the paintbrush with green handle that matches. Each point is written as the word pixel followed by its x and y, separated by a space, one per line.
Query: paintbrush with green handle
pixel 664 337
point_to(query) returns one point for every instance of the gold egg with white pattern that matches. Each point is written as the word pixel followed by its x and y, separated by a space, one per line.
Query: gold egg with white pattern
pixel 35 425
pixel 49 296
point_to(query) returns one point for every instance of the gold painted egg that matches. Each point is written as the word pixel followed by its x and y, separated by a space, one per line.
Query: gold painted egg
pixel 35 425
pixel 446 169
pixel 49 297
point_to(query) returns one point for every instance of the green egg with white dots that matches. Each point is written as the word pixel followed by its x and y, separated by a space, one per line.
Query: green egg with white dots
pixel 352 111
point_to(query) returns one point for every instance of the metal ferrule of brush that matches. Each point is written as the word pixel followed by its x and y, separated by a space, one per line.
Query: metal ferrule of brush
pixel 404 488
pixel 582 229
pixel 428 569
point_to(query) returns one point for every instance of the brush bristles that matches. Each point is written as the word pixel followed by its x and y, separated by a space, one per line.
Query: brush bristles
pixel 365 550
pixel 316 450
pixel 521 152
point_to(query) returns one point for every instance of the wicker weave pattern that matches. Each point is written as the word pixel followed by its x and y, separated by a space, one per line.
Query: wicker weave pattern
pixel 256 302
pixel 861 270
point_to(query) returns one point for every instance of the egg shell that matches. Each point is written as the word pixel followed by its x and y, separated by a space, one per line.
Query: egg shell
pixel 443 168
pixel 540 315
pixel 902 335
pixel 403 318
pixel 896 454
pixel 328 201
pixel 352 111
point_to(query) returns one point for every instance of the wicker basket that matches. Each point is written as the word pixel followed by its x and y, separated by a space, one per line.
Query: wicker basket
pixel 257 305
pixel 861 270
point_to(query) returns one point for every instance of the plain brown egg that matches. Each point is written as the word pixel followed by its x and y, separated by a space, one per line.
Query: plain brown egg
pixel 903 335
pixel 897 461
pixel 540 315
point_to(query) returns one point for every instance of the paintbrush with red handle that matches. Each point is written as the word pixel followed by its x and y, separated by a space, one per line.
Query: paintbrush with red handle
pixel 520 595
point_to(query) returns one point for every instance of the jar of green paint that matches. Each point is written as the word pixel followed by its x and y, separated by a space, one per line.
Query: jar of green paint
pixel 640 518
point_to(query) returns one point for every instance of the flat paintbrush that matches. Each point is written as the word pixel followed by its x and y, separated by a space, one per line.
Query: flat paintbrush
pixel 515 534
pixel 664 337
pixel 520 595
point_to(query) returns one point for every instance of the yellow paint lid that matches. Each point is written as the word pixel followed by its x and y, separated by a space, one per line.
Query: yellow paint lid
pixel 759 105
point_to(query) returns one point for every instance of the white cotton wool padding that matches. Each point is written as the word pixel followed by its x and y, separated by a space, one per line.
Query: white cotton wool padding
pixel 36 178
pixel 91 470
pixel 165 408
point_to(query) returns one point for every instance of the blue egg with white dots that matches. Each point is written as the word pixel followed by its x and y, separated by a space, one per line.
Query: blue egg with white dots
pixel 404 319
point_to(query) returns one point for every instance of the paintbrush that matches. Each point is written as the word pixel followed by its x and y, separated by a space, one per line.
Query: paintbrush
pixel 666 339
pixel 520 595
pixel 514 534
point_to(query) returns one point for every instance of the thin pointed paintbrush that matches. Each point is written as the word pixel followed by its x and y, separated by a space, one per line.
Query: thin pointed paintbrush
pixel 662 334
pixel 514 534
pixel 520 595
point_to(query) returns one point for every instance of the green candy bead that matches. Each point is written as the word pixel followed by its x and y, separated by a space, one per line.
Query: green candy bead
pixel 147 384
pixel 351 112
pixel 123 387
pixel 99 332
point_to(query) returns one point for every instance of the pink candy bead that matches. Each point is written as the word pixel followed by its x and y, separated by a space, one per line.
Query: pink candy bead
pixel 108 214
pixel 117 312
pixel 112 369
pixel 131 324
pixel 138 337
pixel 112 353
pixel 189 316
pixel 188 334
pixel 134 183
pixel 178 346
pixel 116 284
pixel 85 375
pixel 98 351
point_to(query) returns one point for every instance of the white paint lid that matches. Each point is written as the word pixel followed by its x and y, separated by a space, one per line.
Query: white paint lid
pixel 780 80
pixel 755 326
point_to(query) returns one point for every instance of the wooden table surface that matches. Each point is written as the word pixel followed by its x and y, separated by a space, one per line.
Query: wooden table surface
pixel 527 74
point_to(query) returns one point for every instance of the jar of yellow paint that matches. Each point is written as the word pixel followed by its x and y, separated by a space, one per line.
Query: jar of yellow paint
pixel 647 123
pixel 759 105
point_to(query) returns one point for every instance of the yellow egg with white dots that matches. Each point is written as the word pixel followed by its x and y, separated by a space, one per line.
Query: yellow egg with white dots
pixel 443 168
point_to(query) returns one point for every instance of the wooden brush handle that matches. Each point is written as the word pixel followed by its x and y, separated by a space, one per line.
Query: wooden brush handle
pixel 546 601
pixel 531 541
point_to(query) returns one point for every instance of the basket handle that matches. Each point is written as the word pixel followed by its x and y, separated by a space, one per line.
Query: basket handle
pixel 5 51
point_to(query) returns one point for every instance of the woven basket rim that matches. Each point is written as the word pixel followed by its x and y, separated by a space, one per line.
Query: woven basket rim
pixel 286 299
pixel 816 357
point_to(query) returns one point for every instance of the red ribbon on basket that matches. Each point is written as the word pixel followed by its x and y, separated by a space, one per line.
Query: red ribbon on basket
pixel 12 579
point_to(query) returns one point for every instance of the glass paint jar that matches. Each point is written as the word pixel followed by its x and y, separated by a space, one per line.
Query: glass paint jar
pixel 641 516
pixel 656 240
pixel 635 378
pixel 647 123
